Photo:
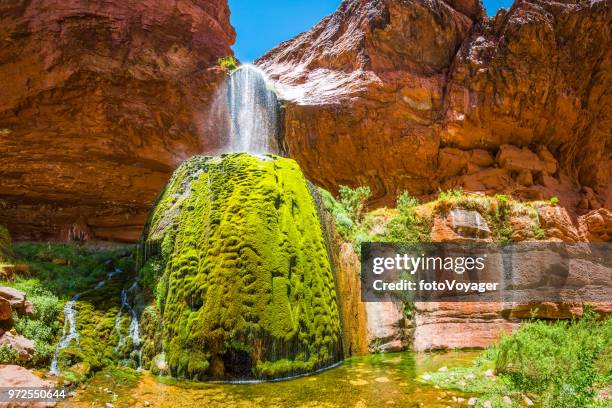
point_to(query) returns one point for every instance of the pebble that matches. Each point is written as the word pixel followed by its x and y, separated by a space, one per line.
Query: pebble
pixel 147 404
pixel 527 401
pixel 443 369
pixel 426 377
pixel 507 400
pixel 472 401
pixel 469 376
pixel 489 373
pixel 108 405
pixel 487 404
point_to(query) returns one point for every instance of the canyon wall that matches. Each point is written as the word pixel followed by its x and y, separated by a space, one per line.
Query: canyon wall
pixel 422 95
pixel 100 102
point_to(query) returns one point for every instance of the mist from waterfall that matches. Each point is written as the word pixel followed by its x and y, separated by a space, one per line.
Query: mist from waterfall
pixel 254 112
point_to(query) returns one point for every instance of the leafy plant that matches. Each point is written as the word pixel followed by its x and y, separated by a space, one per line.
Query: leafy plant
pixel 449 194
pixel 560 364
pixel 353 201
pixel 229 63
pixel 554 200
pixel 8 355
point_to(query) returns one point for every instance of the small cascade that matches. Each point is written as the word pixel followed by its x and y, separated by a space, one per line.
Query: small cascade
pixel 70 331
pixel 254 112
pixel 133 332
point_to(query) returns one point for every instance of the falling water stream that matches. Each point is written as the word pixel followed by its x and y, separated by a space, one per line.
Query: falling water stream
pixel 254 112
pixel 133 329
pixel 70 332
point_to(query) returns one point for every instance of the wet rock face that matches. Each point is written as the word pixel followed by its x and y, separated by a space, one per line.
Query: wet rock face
pixel 101 101
pixel 236 255
pixel 380 91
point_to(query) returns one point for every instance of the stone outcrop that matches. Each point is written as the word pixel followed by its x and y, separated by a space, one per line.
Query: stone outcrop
pixel 100 102
pixel 13 376
pixel 425 94
pixel 24 347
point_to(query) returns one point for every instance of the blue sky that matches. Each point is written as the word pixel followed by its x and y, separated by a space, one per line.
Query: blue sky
pixel 262 24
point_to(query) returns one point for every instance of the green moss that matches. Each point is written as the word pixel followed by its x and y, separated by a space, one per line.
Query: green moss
pixel 246 277
pixel 57 273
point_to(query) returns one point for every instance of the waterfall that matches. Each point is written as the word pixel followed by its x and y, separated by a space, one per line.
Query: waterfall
pixel 254 112
pixel 133 329
pixel 69 331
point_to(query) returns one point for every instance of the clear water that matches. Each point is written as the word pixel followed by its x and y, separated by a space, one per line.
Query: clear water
pixel 383 380
pixel 133 333
pixel 254 112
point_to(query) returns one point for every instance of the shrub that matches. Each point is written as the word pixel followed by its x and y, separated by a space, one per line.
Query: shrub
pixel 561 361
pixel 8 355
pixel 449 194
pixel 408 225
pixel 228 63
pixel 353 201
pixel 554 200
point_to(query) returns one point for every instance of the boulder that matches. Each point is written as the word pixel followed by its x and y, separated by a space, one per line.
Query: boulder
pixel 558 224
pixel 519 160
pixel 5 309
pixel 596 226
pixel 24 347
pixel 13 376
pixel 16 298
pixel 469 223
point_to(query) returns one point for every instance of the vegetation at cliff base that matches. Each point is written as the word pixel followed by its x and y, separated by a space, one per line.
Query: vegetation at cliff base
pixel 354 224
pixel 555 364
pixel 235 256
pixel 56 272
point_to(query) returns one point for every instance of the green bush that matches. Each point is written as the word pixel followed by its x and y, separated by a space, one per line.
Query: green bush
pixel 557 364
pixel 353 201
pixel 8 355
pixel 407 226
pixel 562 361
pixel 229 63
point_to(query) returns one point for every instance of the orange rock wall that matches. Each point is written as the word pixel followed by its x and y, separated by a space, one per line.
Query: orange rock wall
pixel 100 102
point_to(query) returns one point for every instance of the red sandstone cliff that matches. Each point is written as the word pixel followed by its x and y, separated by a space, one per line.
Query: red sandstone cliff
pixel 100 102
pixel 421 95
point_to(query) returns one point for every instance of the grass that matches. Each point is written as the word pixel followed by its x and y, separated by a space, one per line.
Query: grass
pixel 560 364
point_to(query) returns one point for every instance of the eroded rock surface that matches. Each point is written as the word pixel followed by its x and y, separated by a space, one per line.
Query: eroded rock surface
pixel 100 102
pixel 419 95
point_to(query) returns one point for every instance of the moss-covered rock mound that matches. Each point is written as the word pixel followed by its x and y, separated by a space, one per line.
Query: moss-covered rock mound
pixel 235 256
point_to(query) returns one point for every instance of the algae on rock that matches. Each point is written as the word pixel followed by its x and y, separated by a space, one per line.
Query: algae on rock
pixel 235 255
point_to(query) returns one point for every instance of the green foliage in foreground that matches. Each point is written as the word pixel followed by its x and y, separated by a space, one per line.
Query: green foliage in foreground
pixel 56 273
pixel 560 364
pixel 8 355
